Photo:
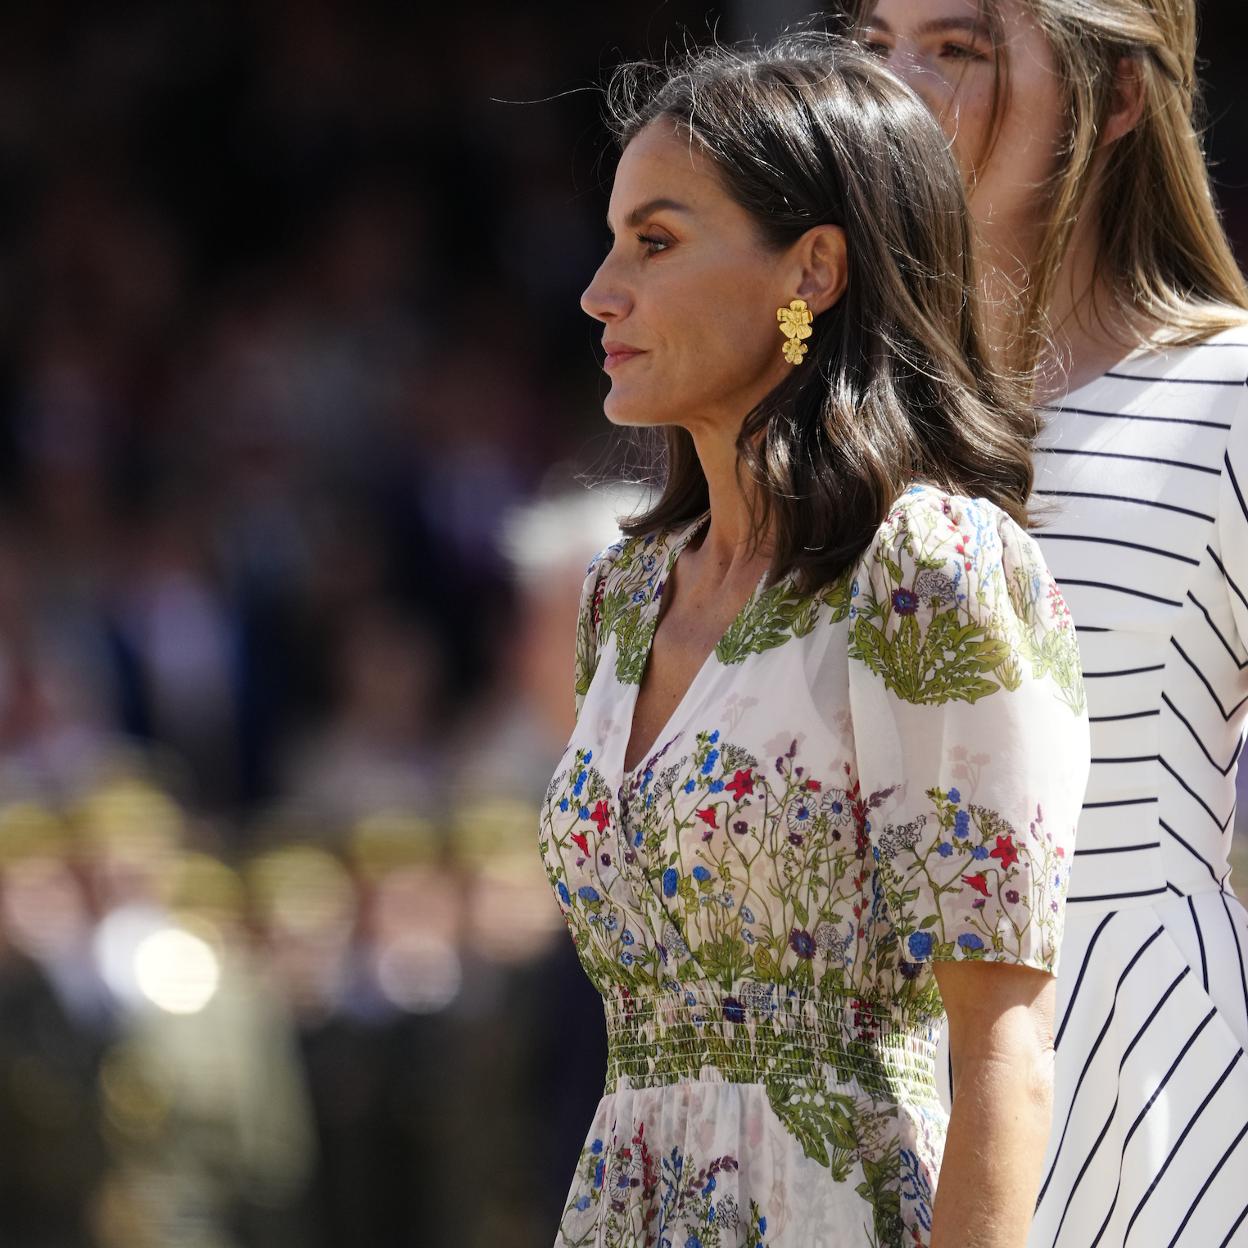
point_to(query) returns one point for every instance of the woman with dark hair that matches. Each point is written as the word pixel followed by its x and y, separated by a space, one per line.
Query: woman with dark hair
pixel 1076 124
pixel 831 738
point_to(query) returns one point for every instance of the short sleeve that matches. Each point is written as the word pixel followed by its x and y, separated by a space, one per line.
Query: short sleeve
pixel 971 731
pixel 1233 520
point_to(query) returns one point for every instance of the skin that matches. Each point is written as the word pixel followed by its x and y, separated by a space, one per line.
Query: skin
pixel 941 48
pixel 690 284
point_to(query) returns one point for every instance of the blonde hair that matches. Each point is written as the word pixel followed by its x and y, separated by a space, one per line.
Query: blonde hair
pixel 1170 265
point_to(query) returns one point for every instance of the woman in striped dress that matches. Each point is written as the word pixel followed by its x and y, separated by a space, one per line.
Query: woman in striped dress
pixel 1098 238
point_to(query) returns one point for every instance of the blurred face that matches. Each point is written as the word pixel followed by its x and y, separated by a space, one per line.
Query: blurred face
pixel 688 293
pixel 944 50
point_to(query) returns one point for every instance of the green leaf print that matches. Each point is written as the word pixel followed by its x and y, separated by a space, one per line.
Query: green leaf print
pixel 942 665
pixel 767 622
pixel 821 1120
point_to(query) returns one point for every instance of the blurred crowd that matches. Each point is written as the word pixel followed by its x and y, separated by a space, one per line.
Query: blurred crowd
pixel 294 396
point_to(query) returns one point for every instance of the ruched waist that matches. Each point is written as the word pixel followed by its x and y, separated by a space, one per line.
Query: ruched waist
pixel 760 1032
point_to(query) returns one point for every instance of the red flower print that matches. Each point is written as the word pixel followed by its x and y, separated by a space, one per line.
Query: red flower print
pixel 741 784
pixel 601 816
pixel 978 883
pixel 814 786
pixel 1061 853
pixel 579 838
pixel 1005 851
pixel 707 815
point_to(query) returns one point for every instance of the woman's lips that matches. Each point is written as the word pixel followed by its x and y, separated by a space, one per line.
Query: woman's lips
pixel 618 354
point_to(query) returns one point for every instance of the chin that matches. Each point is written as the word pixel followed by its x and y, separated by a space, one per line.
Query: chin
pixel 630 411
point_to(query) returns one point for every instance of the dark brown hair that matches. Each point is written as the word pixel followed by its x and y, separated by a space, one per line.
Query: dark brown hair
pixel 811 130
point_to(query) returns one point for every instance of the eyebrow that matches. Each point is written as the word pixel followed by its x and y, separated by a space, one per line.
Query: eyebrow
pixel 939 25
pixel 649 208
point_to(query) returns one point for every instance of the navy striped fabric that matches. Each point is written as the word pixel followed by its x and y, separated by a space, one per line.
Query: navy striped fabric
pixel 1142 486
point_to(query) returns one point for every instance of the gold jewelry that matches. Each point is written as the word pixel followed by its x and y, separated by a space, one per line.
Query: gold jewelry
pixel 795 325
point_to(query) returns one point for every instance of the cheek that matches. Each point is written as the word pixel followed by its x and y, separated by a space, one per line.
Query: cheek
pixel 967 121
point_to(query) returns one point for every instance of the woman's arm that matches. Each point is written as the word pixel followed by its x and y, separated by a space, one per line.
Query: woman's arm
pixel 1001 1043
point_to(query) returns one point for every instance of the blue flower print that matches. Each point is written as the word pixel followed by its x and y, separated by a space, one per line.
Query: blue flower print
pixel 596 1147
pixel 563 893
pixel 583 812
pixel 711 759
pixel 980 851
pixel 944 849
pixel 587 893
pixel 915 1187
pixel 563 803
pixel 626 958
pixel 626 937
pixel 716 786
pixel 637 837
pixel 599 1171
pixel 954 796
pixel 747 915
pixel 690 786
pixel 580 783
pixel 920 945
pixel 582 1203
pixel 693 1242
pixel 715 736
pixel 968 940
pixel 700 873
pixel 589 756
pixel 671 877
pixel 961 824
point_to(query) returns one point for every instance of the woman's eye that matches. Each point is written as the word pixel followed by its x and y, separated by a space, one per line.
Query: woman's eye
pixel 960 52
pixel 876 48
pixel 651 244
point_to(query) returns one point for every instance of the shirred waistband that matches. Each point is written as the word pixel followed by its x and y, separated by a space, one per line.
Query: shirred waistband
pixel 760 1032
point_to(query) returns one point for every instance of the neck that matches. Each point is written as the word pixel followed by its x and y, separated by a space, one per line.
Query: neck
pixel 728 544
pixel 1086 331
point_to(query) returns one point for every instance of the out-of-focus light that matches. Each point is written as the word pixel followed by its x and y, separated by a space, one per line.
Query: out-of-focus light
pixel 301 890
pixel 42 908
pixel 115 945
pixel 176 971
pixel 419 973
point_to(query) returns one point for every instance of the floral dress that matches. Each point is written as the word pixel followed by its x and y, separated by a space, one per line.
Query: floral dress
pixel 857 783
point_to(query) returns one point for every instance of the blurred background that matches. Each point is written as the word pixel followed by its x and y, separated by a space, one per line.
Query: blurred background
pixel 295 396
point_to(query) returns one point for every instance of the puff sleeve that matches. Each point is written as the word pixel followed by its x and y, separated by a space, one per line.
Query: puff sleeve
pixel 970 729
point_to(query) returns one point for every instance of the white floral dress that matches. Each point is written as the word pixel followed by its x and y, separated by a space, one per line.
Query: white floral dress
pixel 858 782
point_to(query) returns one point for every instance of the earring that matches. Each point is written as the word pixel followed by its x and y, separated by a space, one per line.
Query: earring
pixel 795 325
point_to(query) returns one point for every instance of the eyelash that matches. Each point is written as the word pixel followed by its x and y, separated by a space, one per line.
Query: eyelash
pixel 960 52
pixel 955 51
pixel 651 243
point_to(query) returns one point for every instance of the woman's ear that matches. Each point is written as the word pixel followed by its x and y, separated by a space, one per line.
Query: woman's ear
pixel 824 267
pixel 1127 106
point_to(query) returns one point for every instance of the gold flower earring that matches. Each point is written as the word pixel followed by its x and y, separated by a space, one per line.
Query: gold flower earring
pixel 795 325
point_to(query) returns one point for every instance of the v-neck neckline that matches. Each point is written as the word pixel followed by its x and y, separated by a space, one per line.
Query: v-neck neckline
pixel 676 546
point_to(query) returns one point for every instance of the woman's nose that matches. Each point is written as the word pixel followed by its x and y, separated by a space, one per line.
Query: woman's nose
pixel 604 298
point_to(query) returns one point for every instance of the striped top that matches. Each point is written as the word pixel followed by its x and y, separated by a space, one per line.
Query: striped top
pixel 1147 472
